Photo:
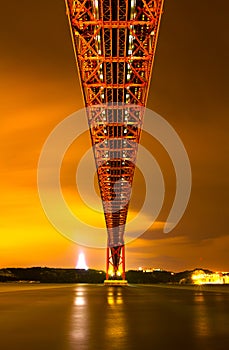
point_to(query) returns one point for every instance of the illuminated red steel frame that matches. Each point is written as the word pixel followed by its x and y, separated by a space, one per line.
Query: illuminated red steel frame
pixel 114 43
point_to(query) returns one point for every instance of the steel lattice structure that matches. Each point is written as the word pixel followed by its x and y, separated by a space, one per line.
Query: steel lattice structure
pixel 114 43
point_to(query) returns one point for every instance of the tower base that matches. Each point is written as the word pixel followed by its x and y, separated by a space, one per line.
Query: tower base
pixel 115 283
pixel 115 270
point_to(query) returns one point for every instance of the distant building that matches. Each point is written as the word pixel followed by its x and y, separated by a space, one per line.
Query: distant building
pixel 200 277
pixel 149 269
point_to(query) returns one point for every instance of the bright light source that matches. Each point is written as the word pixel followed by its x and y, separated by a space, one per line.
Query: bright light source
pixel 111 272
pixel 81 264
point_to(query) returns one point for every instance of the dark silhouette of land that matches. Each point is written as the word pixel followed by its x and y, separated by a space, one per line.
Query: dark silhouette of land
pixel 58 275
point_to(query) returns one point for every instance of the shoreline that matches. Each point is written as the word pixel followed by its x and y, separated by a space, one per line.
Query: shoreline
pixel 224 288
pixel 6 287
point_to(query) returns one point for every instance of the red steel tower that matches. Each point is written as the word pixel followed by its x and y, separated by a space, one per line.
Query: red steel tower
pixel 114 43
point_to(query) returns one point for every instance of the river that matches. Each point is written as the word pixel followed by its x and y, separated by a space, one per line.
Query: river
pixel 97 317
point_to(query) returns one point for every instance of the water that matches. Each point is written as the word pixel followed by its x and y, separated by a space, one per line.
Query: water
pixel 88 317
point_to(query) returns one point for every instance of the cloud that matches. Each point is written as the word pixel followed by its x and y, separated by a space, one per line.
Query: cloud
pixel 179 253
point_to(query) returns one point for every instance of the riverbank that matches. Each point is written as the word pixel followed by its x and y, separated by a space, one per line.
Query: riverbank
pixel 16 287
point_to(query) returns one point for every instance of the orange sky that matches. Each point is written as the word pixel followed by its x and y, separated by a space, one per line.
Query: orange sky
pixel 39 88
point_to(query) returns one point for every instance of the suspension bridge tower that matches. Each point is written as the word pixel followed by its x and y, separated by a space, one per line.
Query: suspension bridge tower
pixel 114 43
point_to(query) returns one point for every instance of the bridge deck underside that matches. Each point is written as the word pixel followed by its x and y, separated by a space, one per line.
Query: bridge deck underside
pixel 114 43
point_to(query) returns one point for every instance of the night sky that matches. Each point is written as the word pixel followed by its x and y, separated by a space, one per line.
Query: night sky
pixel 189 88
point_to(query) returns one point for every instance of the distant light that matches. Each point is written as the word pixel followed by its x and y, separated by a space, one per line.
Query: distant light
pixel 81 264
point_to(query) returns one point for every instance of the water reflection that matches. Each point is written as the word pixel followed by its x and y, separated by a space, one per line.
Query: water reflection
pixel 79 299
pixel 98 318
pixel 114 297
pixel 201 320
pixel 79 331
pixel 116 322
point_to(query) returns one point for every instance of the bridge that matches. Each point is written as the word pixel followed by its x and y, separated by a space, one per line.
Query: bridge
pixel 114 43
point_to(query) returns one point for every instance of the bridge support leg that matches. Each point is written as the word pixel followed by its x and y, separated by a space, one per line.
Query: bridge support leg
pixel 115 265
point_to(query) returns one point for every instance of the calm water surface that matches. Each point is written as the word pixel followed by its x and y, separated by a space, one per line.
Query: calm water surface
pixel 88 317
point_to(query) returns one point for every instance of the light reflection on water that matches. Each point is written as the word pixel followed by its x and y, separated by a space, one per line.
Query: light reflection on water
pixel 79 331
pixel 201 320
pixel 114 297
pixel 116 324
pixel 79 299
pixel 109 326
